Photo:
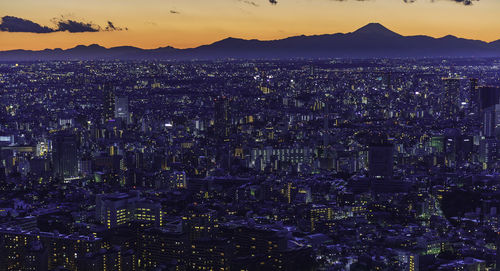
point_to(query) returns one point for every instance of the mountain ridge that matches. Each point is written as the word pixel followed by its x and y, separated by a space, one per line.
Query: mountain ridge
pixel 370 41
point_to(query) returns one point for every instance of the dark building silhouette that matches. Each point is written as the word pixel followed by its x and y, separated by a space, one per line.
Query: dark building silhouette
pixel 121 109
pixel 109 102
pixel 451 97
pixel 456 147
pixel 387 80
pixel 488 96
pixel 473 97
pixel 65 155
pixel 491 121
pixel 222 118
pixel 380 160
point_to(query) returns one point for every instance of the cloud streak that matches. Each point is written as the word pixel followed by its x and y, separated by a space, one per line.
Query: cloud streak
pixel 251 3
pixel 15 24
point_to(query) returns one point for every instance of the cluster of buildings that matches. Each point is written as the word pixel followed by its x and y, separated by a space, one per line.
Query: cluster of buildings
pixel 250 165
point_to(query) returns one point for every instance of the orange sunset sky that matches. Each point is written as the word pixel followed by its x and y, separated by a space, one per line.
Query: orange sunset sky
pixel 190 23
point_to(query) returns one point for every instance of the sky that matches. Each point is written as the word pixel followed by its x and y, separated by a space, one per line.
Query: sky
pixel 190 23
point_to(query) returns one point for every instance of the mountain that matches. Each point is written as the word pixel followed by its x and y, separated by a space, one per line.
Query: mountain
pixel 375 29
pixel 370 41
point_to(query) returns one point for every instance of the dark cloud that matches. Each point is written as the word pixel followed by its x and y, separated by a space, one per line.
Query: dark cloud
pixel 112 27
pixel 174 12
pixel 15 24
pixel 274 2
pixel 73 26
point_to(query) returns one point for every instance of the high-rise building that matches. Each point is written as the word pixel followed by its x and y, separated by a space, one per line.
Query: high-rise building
pixel 386 79
pixel 456 147
pixel 488 96
pixel 491 121
pixel 65 155
pixel 121 109
pixel 222 118
pixel 109 102
pixel 451 98
pixel 473 97
pixel 488 151
pixel 381 160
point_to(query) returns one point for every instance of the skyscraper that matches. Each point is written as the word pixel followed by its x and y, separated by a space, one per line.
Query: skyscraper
pixel 121 109
pixel 65 155
pixel 380 160
pixel 473 97
pixel 222 118
pixel 488 96
pixel 491 121
pixel 109 102
pixel 451 98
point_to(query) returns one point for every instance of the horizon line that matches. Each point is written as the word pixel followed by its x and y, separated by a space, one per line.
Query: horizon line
pixel 246 39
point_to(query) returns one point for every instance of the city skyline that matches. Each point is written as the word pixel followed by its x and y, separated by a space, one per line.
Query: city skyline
pixel 187 24
pixel 252 135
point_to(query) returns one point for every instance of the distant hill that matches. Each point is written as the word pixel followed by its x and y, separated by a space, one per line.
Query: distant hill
pixel 371 41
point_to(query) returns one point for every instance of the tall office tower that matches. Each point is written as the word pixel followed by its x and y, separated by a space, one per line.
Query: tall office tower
pixel 456 147
pixel 109 102
pixel 491 121
pixel 3 115
pixel 222 118
pixel 451 98
pixel 381 160
pixel 65 155
pixel 488 96
pixel 473 97
pixel 488 151
pixel 326 156
pixel 121 109
pixel 386 79
pixel 326 125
